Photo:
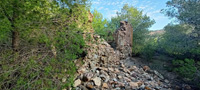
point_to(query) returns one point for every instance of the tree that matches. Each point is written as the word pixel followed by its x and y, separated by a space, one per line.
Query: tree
pixel 99 24
pixel 37 29
pixel 176 40
pixel 28 18
pixel 187 12
pixel 139 22
pixel 20 16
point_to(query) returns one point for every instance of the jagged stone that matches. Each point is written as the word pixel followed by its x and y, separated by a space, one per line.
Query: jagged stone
pixel 158 74
pixel 119 77
pixel 97 81
pixel 127 79
pixel 146 68
pixel 82 70
pixel 103 68
pixel 64 79
pixel 111 69
pixel 134 85
pixel 89 86
pixel 166 81
pixel 77 83
pixel 147 88
pixel 105 85
pixel 87 76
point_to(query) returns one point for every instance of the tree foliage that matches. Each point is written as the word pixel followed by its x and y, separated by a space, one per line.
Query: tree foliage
pixel 187 12
pixel 47 36
pixel 176 40
pixel 99 24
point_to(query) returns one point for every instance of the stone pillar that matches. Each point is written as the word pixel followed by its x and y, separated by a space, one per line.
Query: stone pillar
pixel 124 39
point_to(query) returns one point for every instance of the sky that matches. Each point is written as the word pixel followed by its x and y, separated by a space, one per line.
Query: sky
pixel 150 7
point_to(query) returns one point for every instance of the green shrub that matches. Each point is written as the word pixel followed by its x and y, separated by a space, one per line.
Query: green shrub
pixel 36 73
pixel 149 52
pixel 185 68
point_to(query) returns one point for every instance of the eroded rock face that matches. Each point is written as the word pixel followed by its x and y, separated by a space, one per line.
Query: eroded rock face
pixel 124 39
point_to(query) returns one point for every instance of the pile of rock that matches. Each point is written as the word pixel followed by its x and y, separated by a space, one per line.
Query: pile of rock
pixel 103 70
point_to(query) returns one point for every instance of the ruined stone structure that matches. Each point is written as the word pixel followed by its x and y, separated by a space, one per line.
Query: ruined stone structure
pixel 103 68
pixel 124 39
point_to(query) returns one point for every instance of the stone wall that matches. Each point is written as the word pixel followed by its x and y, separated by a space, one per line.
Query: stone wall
pixel 124 39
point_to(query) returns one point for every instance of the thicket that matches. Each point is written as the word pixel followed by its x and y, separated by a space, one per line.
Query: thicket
pixel 39 41
pixel 181 40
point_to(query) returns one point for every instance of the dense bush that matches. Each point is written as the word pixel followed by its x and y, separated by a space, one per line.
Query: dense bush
pixel 150 47
pixel 185 68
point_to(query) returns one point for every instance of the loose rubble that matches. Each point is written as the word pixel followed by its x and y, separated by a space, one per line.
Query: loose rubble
pixel 103 70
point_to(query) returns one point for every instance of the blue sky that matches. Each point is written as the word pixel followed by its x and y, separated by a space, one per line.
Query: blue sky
pixel 150 7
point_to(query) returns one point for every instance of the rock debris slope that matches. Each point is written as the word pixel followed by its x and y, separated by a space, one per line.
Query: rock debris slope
pixel 103 70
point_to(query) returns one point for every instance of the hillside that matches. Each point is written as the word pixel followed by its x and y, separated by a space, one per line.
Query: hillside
pixel 157 32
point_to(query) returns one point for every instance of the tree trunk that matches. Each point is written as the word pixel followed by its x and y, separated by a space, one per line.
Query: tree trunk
pixel 15 32
pixel 15 40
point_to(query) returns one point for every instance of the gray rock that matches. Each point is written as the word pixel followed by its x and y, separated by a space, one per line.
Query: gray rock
pixel 114 79
pixel 87 76
pixel 158 74
pixel 166 81
pixel 95 56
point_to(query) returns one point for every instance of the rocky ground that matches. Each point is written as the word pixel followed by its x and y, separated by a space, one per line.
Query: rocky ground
pixel 103 70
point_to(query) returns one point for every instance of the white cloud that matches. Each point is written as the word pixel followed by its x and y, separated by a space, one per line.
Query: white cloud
pixel 96 2
pixel 153 13
pixel 106 9
pixel 100 8
pixel 110 14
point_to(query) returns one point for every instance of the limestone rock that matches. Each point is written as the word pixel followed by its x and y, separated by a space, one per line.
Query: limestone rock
pixel 134 85
pixel 77 83
pixel 64 80
pixel 97 81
